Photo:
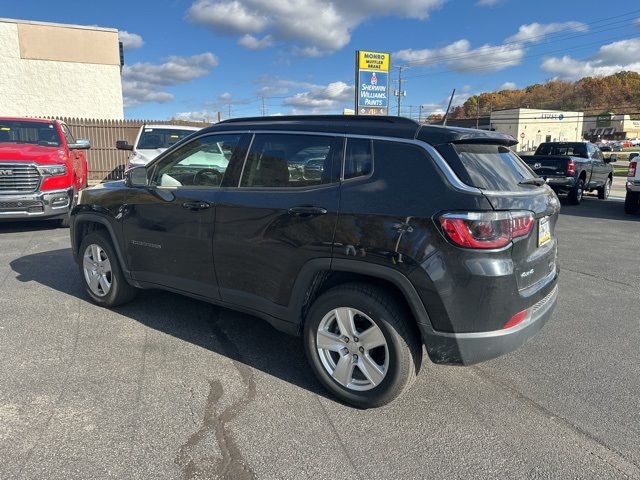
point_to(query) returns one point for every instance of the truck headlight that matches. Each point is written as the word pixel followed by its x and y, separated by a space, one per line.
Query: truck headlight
pixel 52 170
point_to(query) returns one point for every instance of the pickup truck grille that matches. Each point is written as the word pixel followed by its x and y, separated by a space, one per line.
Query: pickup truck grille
pixel 18 178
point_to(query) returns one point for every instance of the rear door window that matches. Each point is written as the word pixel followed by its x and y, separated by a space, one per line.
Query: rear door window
pixel 489 167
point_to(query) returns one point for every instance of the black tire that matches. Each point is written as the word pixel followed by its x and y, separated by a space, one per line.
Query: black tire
pixel 120 291
pixel 576 193
pixel 401 337
pixel 632 203
pixel 605 190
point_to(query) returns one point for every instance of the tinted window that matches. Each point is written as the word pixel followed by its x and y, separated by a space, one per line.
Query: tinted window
pixel 154 138
pixel 565 149
pixel 201 162
pixel 39 133
pixel 359 159
pixel 290 160
pixel 492 167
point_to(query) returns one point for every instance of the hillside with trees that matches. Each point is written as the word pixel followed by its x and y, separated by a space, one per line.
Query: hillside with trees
pixel 619 93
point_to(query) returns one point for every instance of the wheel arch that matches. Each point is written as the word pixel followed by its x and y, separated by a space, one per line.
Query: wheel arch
pixel 83 223
pixel 317 276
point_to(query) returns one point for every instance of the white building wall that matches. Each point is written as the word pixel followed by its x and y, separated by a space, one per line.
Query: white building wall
pixel 52 88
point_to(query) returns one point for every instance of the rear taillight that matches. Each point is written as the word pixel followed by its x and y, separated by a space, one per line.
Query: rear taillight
pixel 632 169
pixel 571 167
pixel 486 230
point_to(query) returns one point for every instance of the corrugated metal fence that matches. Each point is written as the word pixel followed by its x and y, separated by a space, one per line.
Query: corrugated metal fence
pixel 105 161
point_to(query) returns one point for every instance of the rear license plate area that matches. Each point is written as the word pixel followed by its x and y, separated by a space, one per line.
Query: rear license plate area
pixel 544 231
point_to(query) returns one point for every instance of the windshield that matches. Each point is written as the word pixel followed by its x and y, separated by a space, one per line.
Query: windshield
pixel 37 133
pixel 154 138
pixel 563 149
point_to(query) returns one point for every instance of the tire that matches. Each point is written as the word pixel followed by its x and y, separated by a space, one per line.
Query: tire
pixel 605 190
pixel 118 291
pixel 397 360
pixel 576 193
pixel 632 203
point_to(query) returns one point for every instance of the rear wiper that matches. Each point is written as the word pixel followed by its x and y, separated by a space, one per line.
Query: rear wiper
pixel 533 181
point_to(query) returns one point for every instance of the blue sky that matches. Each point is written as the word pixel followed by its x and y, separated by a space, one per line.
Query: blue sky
pixel 193 58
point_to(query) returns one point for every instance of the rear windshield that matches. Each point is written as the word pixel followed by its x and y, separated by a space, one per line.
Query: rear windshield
pixel 38 133
pixel 490 167
pixel 153 138
pixel 564 149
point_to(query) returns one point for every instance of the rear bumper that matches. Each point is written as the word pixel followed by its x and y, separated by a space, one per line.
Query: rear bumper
pixel 37 205
pixel 561 183
pixel 633 185
pixel 470 348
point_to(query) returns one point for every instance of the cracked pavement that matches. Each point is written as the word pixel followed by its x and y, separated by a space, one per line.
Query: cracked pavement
pixel 170 387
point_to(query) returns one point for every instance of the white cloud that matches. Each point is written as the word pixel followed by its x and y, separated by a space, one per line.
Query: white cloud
pixel 535 32
pixel 636 22
pixel 508 86
pixel 459 56
pixel 197 116
pixel 321 98
pixel 130 40
pixel 273 85
pixel 611 58
pixel 487 3
pixel 141 82
pixel 311 27
pixel 253 43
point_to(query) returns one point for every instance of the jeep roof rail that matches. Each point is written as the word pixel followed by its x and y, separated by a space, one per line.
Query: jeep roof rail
pixel 319 118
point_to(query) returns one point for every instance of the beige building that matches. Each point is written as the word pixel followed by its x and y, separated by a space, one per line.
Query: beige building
pixel 532 127
pixel 609 126
pixel 59 70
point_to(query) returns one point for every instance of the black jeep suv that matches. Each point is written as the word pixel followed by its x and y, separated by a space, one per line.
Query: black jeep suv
pixel 404 236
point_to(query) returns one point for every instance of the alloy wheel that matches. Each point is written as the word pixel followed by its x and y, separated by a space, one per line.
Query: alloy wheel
pixel 352 349
pixel 97 270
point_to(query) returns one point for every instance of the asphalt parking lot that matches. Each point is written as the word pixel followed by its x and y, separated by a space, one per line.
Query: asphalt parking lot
pixel 169 387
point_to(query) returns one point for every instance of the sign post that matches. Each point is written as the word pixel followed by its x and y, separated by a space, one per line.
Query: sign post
pixel 372 83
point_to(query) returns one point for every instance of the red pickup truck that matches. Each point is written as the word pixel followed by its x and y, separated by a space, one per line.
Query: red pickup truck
pixel 42 168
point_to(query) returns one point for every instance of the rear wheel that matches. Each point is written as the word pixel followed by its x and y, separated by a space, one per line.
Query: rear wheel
pixel 605 190
pixel 632 203
pixel 576 193
pixel 100 270
pixel 360 346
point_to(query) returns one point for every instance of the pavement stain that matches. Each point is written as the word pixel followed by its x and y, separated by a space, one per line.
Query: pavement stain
pixel 232 465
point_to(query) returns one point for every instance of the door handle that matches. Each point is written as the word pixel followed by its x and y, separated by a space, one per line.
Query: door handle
pixel 307 211
pixel 196 205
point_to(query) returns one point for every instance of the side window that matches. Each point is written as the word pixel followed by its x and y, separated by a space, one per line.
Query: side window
pixel 598 154
pixel 290 160
pixel 591 150
pixel 200 163
pixel 67 134
pixel 359 158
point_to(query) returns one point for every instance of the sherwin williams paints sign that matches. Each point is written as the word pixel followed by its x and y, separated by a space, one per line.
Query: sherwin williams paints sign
pixel 372 80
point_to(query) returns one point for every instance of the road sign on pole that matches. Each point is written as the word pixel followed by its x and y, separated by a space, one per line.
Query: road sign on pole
pixel 372 83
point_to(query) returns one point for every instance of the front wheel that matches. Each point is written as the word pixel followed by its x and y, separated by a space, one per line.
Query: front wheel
pixel 632 203
pixel 605 190
pixel 360 345
pixel 100 270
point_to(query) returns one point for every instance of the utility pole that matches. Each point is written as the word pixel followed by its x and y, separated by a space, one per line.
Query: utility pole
pixel 477 112
pixel 264 107
pixel 411 111
pixel 229 111
pixel 420 113
pixel 399 92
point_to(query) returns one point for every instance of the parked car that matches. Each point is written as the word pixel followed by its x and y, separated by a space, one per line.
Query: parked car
pixel 152 140
pixel 411 235
pixel 617 146
pixel 42 168
pixel 632 199
pixel 635 142
pixel 572 168
pixel 605 147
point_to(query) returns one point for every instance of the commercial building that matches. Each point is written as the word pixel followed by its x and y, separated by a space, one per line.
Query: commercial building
pixel 59 70
pixel 609 126
pixel 532 127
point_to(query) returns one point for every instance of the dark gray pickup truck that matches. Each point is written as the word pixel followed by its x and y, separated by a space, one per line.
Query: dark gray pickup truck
pixel 573 168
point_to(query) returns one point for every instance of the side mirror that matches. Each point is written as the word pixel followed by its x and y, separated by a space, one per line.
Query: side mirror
pixel 123 145
pixel 633 155
pixel 81 144
pixel 136 177
pixel 612 158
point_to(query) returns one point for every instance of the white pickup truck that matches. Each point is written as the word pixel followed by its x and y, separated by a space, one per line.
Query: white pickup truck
pixel 632 201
